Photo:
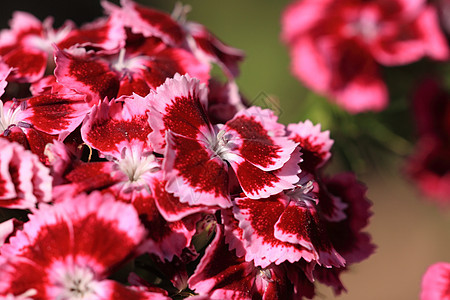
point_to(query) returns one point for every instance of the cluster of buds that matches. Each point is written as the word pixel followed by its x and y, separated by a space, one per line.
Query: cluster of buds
pixel 140 176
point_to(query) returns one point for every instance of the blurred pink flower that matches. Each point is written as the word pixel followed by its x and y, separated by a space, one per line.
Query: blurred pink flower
pixel 337 45
pixel 429 165
pixel 436 282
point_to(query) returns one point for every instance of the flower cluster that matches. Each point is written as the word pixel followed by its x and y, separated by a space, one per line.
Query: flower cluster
pixel 141 177
pixel 343 43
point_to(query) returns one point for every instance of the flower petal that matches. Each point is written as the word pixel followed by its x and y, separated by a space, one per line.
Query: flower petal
pixel 194 174
pixel 88 76
pixel 114 125
pixel 435 282
pixel 257 218
pixel 176 105
pixel 56 114
pixel 254 130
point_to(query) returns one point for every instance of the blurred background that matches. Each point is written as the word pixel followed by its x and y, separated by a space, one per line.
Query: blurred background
pixel 410 232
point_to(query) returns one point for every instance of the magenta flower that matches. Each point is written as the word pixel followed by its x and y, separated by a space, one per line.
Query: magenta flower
pixel 343 43
pixel 436 282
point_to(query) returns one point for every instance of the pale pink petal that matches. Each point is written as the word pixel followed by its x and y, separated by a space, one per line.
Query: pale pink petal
pixel 307 59
pixel 312 12
pixel 6 228
pixel 436 282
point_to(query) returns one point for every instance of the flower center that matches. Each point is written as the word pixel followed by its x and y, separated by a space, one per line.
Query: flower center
pixel 76 283
pixel 303 193
pixel 51 36
pixel 136 164
pixel 221 144
pixel 123 64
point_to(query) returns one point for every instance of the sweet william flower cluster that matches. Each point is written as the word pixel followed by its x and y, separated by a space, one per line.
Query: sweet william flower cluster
pixel 141 177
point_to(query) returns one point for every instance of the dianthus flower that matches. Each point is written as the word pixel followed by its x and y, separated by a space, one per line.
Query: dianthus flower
pixel 130 164
pixel 337 46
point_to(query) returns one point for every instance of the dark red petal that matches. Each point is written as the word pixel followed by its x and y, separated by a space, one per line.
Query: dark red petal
pixel 257 218
pixel 133 83
pixel 330 277
pixel 220 269
pixel 347 236
pixel 177 105
pixel 150 22
pixel 260 138
pixel 300 224
pixel 19 276
pixel 113 290
pixel 87 76
pixel 111 126
pixel 227 57
pixel 29 65
pixel 257 183
pixel 87 177
pixel 194 174
pixel 166 63
pixel 56 114
pixel 295 225
pixel 86 226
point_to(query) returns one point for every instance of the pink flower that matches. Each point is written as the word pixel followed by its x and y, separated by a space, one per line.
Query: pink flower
pixel 436 282
pixel 24 180
pixel 28 45
pixel 68 250
pixel 343 43
pixel 197 153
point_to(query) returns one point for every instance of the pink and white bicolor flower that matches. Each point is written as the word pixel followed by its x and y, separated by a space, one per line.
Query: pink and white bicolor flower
pixel 283 227
pixel 66 251
pixel 119 130
pixel 197 153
